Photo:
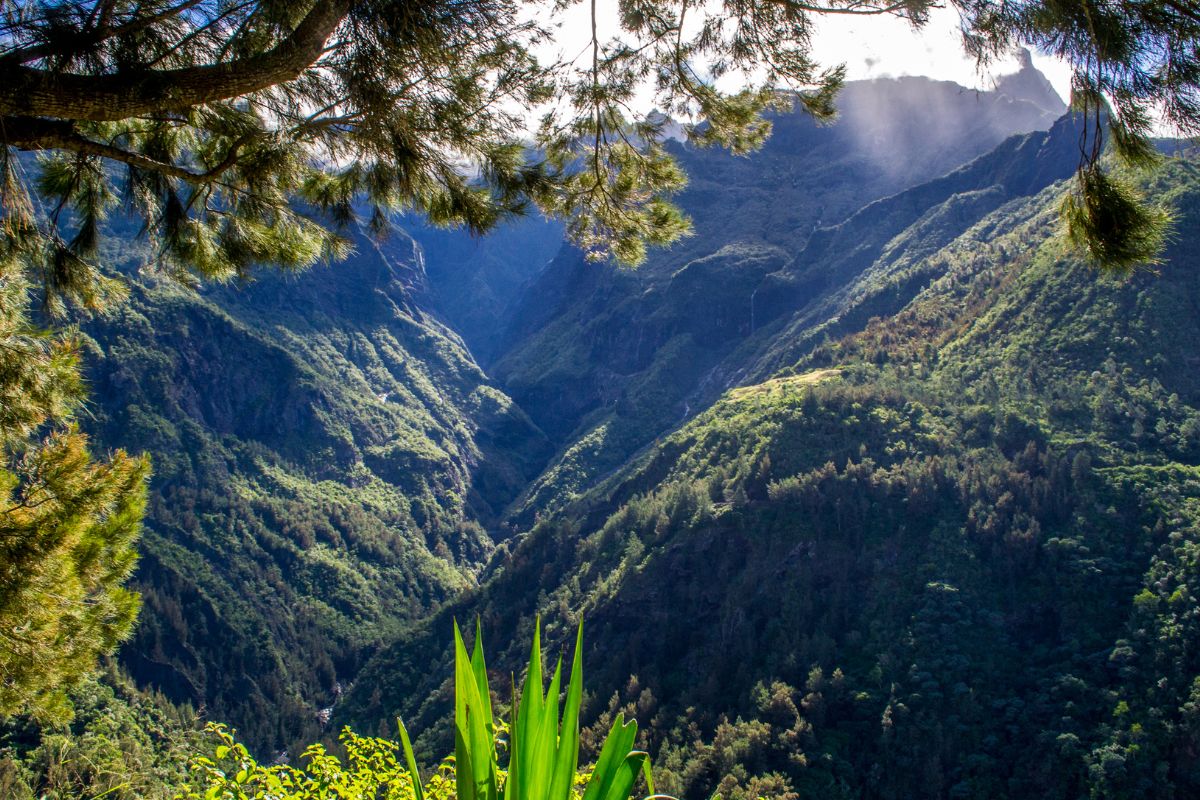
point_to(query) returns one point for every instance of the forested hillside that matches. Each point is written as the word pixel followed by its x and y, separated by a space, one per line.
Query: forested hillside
pixel 604 360
pixel 847 430
pixel 327 460
pixel 330 462
pixel 948 551
pixel 868 489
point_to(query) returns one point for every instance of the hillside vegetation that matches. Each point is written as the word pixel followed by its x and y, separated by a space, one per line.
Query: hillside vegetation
pixel 326 457
pixel 606 360
pixel 868 490
pixel 950 551
pixel 331 464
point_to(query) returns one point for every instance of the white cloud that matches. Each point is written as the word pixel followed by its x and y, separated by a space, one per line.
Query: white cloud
pixel 873 47
pixel 870 46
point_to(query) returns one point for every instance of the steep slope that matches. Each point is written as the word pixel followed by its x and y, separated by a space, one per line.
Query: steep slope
pixel 122 744
pixel 951 553
pixel 625 357
pixel 327 457
pixel 476 283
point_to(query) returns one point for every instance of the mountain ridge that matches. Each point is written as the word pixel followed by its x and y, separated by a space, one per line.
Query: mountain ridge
pixel 697 323
pixel 328 462
pixel 332 438
pixel 929 563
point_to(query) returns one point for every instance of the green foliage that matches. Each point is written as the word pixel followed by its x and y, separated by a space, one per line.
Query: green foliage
pixel 68 523
pixel 605 361
pixel 1138 57
pixel 70 527
pixel 542 757
pixel 938 507
pixel 370 771
pixel 1114 226
pixel 327 457
pixel 121 744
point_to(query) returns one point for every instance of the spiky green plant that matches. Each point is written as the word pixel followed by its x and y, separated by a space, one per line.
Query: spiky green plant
pixel 542 746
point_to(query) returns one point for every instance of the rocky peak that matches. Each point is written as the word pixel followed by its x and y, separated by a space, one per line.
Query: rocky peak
pixel 1029 85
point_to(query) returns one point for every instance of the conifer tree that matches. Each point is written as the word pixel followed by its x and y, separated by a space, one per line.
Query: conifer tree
pixel 68 523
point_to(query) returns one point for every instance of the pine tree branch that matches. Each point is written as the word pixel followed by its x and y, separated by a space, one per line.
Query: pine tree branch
pixel 29 92
pixel 41 134
pixel 1187 10
pixel 864 8
pixel 90 39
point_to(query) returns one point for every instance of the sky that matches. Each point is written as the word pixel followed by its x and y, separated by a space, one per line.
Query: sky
pixel 873 47
pixel 870 47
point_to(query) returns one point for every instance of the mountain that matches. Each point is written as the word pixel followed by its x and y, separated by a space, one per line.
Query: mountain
pixel 332 463
pixel 948 551
pixel 474 283
pixel 605 360
pixel 870 488
pixel 867 489
pixel 328 459
pixel 1029 85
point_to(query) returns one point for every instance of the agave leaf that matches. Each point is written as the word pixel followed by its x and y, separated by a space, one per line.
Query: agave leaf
pixel 612 756
pixel 463 780
pixel 625 775
pixel 411 760
pixel 547 740
pixel 472 736
pixel 462 744
pixel 566 759
pixel 480 669
pixel 648 774
pixel 530 713
pixel 514 784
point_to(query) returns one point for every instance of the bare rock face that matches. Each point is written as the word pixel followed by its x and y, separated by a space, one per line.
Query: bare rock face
pixel 1028 85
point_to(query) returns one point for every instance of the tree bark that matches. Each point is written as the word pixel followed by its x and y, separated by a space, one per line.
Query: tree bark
pixel 25 133
pixel 30 92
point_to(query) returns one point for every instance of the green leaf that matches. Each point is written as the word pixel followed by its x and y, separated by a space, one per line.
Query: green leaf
pixel 411 760
pixel 529 713
pixel 566 760
pixel 546 740
pixel 514 784
pixel 647 773
pixel 479 668
pixel 473 739
pixel 609 766
pixel 625 775
pixel 464 783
